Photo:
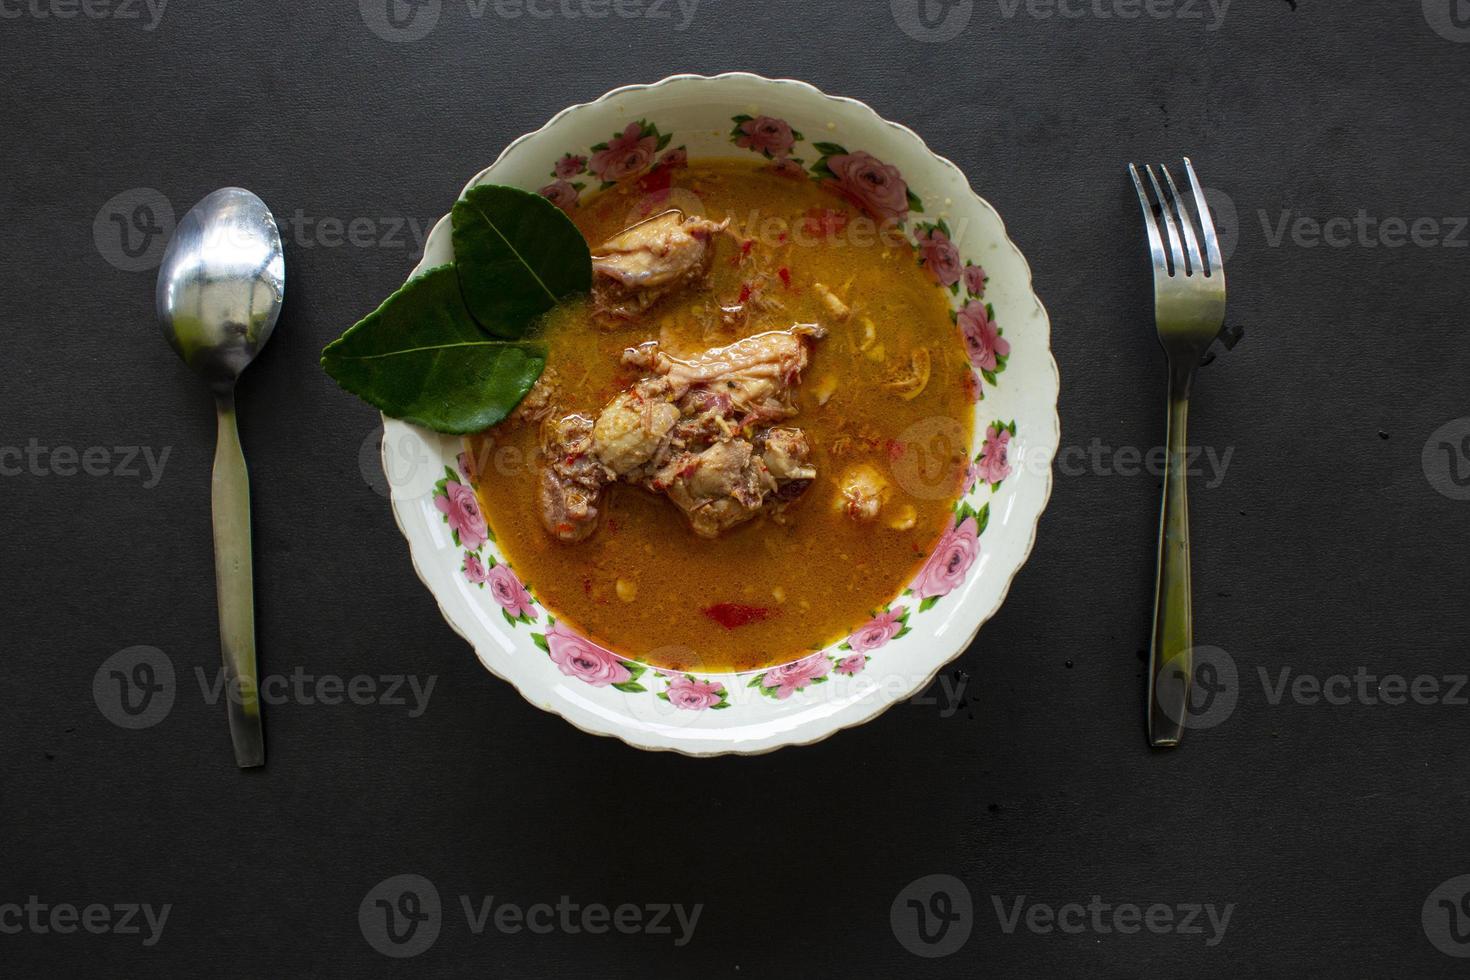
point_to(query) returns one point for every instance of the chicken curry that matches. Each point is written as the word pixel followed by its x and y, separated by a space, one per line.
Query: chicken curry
pixel 716 471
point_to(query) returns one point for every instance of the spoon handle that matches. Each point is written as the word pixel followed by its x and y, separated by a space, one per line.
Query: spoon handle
pixel 235 586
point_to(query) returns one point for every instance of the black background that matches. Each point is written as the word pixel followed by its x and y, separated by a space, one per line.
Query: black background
pixel 1325 547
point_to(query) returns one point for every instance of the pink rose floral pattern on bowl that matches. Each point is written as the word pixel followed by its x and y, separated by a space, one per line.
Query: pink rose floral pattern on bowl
pixel 641 152
pixel 869 184
pixel 985 342
pixel 954 554
pixel 628 153
pixel 887 625
pixel 576 656
pixel 634 152
pixel 992 464
pixel 939 256
pixel 454 498
pixel 783 681
pixel 772 138
pixel 688 693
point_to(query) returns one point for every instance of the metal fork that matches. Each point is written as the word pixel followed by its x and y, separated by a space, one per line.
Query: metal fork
pixel 1189 307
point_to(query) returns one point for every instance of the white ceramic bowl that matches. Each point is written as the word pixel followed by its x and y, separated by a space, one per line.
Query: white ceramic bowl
pixel 634 128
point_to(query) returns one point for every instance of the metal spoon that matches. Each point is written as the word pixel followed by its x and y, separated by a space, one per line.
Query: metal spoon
pixel 219 292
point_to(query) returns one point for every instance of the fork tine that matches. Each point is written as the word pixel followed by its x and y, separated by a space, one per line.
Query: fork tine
pixel 1174 248
pixel 1212 243
pixel 1186 224
pixel 1155 243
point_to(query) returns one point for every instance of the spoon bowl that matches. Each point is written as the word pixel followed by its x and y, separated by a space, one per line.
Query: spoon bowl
pixel 221 284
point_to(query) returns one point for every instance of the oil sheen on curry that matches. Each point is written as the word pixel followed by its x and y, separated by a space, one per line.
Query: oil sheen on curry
pixel 707 476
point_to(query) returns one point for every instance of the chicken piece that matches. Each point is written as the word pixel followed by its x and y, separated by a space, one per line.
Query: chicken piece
pixel 725 485
pixel 686 432
pixel 757 373
pixel 785 452
pixel 572 478
pixel 640 265
pixel 862 492
pixel 630 430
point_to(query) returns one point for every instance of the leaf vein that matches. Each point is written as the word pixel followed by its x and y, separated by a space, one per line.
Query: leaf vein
pixel 519 257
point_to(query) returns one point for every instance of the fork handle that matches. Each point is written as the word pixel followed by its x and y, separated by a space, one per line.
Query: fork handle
pixel 1171 662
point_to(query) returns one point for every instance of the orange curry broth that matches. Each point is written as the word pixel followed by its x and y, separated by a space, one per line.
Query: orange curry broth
pixel 814 572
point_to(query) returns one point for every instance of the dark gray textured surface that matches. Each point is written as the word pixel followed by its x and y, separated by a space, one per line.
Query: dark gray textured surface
pixel 1325 548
